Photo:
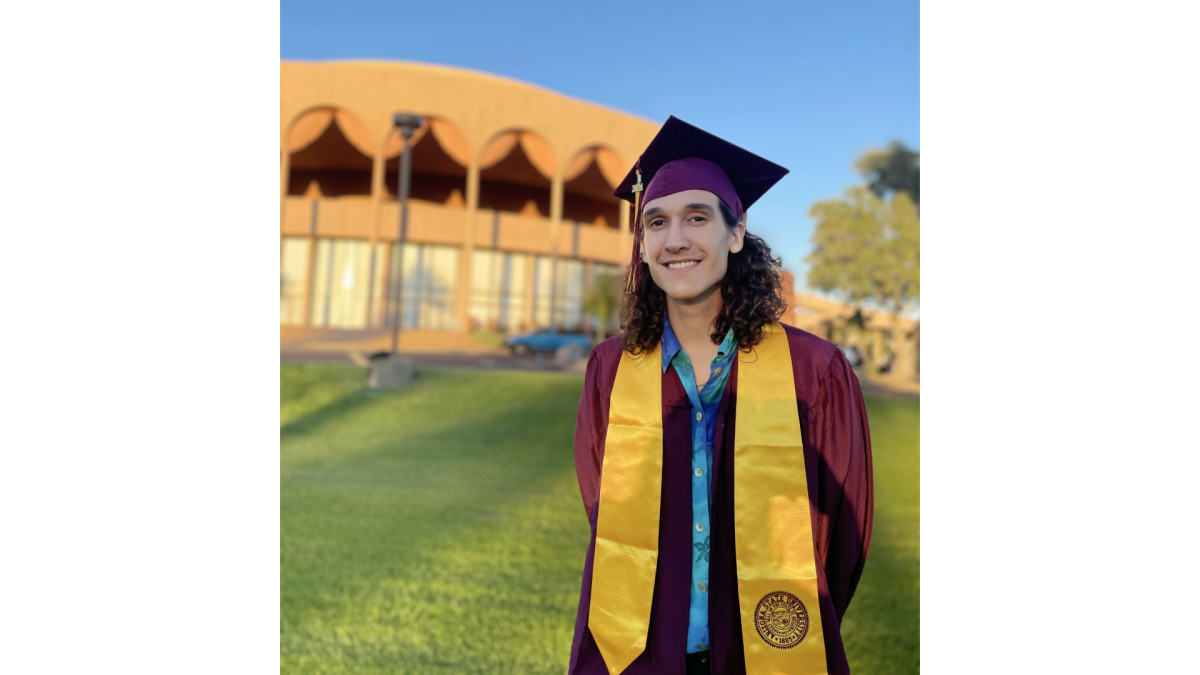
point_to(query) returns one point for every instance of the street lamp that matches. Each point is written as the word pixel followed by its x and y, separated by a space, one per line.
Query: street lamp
pixel 406 125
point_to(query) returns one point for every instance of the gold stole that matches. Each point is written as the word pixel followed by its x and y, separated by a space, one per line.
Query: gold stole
pixel 776 565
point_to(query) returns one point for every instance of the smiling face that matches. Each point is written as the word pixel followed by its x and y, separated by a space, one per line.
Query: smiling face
pixel 687 244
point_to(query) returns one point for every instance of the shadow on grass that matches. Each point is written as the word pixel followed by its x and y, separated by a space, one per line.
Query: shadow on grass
pixel 438 529
pixel 433 540
pixel 882 626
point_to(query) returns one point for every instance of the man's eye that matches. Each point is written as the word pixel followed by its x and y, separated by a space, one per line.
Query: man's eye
pixel 656 223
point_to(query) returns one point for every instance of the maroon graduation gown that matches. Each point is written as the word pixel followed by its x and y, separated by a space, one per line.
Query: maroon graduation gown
pixel 837 455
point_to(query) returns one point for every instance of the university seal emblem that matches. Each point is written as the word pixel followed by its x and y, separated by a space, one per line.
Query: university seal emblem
pixel 781 620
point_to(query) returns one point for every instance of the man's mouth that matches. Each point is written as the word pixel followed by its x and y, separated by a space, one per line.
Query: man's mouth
pixel 682 264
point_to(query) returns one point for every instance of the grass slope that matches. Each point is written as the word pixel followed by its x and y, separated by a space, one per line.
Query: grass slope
pixel 438 529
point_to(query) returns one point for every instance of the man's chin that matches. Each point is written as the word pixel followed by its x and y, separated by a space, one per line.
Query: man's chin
pixel 684 296
pixel 684 293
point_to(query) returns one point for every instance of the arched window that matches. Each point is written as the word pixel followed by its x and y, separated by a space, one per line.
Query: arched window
pixel 439 164
pixel 589 183
pixel 331 155
pixel 515 173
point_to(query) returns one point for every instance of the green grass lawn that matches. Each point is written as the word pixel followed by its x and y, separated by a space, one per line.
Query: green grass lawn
pixel 438 529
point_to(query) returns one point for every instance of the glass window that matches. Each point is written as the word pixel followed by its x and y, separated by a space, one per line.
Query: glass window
pixel 340 285
pixel 543 298
pixel 514 312
pixel 497 290
pixel 599 269
pixel 379 292
pixel 569 284
pixel 558 297
pixel 430 282
pixel 293 280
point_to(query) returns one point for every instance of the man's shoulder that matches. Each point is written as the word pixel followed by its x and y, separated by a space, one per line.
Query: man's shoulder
pixel 609 350
pixel 605 358
pixel 801 343
pixel 811 355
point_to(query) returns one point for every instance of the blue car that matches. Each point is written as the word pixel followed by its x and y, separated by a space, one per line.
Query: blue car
pixel 546 340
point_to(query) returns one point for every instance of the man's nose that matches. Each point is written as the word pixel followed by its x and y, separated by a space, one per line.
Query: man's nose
pixel 676 238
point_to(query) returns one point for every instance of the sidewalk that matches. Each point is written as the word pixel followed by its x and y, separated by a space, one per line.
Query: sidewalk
pixel 459 350
pixel 324 341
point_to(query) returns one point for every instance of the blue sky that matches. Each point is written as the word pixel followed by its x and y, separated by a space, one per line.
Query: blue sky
pixel 807 85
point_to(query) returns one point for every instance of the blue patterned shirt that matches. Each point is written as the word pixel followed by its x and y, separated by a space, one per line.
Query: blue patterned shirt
pixel 703 414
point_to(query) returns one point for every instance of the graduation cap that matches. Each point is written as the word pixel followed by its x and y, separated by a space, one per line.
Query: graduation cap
pixel 683 157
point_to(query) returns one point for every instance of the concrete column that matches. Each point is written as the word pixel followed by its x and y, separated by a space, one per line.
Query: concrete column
pixel 378 192
pixel 312 263
pixel 378 189
pixel 556 206
pixel 556 199
pixel 285 169
pixel 530 318
pixel 473 187
pixel 468 249
pixel 385 294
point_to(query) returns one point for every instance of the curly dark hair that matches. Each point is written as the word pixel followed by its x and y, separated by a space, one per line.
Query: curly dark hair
pixel 751 295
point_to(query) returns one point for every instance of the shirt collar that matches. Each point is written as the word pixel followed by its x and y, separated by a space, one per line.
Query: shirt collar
pixel 670 343
pixel 728 345
pixel 671 346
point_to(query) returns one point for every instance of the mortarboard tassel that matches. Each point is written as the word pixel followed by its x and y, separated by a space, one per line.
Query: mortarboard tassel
pixel 635 263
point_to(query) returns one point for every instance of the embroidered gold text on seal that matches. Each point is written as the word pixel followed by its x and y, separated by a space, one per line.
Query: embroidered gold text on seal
pixel 781 619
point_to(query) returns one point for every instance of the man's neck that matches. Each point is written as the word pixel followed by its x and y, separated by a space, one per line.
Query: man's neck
pixel 693 321
pixel 693 325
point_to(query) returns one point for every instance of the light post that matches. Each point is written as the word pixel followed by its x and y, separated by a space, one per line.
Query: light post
pixel 389 370
pixel 406 125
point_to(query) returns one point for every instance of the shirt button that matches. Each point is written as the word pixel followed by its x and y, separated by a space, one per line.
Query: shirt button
pixel 699 527
pixel 699 472
pixel 701 646
pixel 717 371
pixel 703 587
pixel 699 415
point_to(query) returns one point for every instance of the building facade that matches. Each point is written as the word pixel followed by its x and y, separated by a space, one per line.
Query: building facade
pixel 511 213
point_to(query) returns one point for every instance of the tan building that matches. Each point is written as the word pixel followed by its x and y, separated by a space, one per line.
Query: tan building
pixel 511 210
pixel 877 335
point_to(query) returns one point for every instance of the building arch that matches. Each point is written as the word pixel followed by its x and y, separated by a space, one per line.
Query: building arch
pixel 516 172
pixel 588 183
pixel 440 159
pixel 330 154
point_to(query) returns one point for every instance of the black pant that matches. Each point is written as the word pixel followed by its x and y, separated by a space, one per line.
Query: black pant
pixel 697 664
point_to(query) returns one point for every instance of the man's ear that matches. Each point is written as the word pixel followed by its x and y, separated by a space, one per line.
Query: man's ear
pixel 739 236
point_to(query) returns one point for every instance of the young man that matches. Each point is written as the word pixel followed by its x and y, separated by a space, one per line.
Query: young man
pixel 724 459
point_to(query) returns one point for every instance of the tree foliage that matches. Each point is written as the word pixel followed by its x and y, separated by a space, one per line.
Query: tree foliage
pixel 892 170
pixel 602 298
pixel 867 249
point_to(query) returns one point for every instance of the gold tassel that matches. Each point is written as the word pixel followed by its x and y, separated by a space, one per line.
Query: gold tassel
pixel 630 274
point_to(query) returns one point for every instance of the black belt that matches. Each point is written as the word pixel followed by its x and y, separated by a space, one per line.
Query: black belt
pixel 698 663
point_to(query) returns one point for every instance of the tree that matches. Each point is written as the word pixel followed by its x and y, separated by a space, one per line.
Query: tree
pixel 868 251
pixel 895 169
pixel 602 298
